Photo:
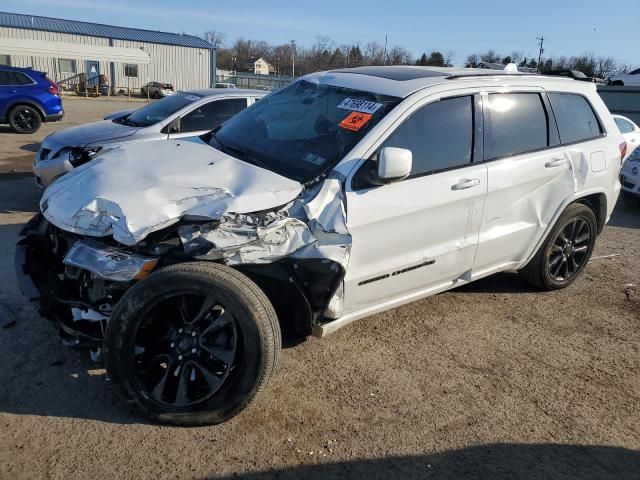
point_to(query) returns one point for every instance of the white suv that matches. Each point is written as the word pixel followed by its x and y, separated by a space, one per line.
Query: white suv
pixel 344 194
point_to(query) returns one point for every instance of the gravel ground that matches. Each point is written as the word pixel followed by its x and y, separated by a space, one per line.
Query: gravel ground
pixel 490 380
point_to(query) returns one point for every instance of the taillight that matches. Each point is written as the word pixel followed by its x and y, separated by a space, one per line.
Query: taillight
pixel 623 151
pixel 53 88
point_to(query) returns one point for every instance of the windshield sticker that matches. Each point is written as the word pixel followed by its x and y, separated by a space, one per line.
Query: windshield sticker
pixel 355 121
pixel 363 106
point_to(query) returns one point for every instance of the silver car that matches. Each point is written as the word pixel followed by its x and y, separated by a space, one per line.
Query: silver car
pixel 157 90
pixel 185 114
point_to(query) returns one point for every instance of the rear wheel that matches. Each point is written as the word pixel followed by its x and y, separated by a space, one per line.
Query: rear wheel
pixel 566 250
pixel 24 119
pixel 192 344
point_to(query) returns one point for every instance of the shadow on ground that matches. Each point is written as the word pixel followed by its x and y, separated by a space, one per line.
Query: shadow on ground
pixel 30 147
pixel 19 193
pixel 496 461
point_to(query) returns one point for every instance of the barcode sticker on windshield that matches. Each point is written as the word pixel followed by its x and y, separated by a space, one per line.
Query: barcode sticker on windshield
pixel 362 106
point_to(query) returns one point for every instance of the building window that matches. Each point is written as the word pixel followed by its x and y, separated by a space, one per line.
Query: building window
pixel 5 60
pixel 131 70
pixel 67 65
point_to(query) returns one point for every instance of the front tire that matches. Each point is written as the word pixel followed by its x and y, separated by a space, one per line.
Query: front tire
pixel 24 119
pixel 565 252
pixel 192 344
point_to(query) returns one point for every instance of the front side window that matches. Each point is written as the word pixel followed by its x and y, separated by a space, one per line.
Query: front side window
pixel 303 129
pixel 623 125
pixel 575 117
pixel 518 124
pixel 158 111
pixel 439 135
pixel 212 114
pixel 131 70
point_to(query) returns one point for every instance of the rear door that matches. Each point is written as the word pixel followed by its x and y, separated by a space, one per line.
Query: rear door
pixel 530 175
pixel 421 233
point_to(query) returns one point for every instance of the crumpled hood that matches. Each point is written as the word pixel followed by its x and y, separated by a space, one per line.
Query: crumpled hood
pixel 96 132
pixel 139 188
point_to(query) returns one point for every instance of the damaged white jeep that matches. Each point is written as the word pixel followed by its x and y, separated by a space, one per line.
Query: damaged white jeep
pixel 344 194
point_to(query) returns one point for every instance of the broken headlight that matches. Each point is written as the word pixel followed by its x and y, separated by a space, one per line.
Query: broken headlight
pixel 78 156
pixel 109 263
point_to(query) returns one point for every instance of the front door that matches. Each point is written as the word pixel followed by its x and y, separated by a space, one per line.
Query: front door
pixel 419 234
pixel 93 73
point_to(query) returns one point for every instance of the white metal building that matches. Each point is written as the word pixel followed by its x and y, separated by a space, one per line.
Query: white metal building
pixel 185 61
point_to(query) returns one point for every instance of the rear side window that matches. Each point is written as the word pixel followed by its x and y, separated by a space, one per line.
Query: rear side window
pixel 14 78
pixel 575 117
pixel 519 124
pixel 440 135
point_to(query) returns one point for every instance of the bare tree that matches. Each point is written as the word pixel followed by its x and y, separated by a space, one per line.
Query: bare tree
pixel 215 38
pixel 472 60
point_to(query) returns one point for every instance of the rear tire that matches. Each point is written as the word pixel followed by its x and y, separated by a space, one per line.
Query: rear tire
pixel 24 119
pixel 198 373
pixel 565 252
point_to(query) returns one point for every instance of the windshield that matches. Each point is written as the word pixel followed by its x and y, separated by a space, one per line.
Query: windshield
pixel 302 130
pixel 157 111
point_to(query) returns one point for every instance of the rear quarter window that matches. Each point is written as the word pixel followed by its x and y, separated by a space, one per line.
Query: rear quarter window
pixel 575 117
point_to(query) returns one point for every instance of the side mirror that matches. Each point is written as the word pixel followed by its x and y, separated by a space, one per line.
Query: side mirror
pixel 394 164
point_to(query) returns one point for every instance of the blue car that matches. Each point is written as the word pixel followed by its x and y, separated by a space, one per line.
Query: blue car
pixel 28 98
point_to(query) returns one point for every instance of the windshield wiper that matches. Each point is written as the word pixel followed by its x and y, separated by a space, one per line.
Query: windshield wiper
pixel 236 152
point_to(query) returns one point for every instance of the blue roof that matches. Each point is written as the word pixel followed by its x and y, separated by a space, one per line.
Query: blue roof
pixel 32 22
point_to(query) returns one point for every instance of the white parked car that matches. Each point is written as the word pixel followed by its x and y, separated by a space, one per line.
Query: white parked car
pixel 630 79
pixel 630 178
pixel 630 131
pixel 344 194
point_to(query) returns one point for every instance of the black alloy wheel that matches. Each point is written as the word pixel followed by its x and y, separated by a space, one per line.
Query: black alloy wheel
pixel 185 349
pixel 569 249
pixel 24 119
pixel 192 344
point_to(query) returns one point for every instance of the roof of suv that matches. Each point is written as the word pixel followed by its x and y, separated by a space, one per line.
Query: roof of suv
pixel 402 80
pixel 19 69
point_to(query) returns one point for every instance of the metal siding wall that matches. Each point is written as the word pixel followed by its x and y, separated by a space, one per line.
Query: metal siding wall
pixel 184 67
pixel 50 64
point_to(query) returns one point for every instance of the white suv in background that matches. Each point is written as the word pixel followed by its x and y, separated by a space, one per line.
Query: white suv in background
pixel 344 194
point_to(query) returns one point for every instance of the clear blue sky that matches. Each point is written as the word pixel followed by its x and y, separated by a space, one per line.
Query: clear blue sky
pixel 570 27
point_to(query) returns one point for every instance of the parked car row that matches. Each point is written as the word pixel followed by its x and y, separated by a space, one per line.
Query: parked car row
pixel 343 194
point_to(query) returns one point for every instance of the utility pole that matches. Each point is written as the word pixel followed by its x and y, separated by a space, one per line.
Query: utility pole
pixel 541 43
pixel 386 39
pixel 293 58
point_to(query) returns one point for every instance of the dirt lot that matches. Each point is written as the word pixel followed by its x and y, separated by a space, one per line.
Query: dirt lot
pixel 491 380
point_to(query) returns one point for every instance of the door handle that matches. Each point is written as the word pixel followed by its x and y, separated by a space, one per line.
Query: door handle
pixel 467 183
pixel 556 162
